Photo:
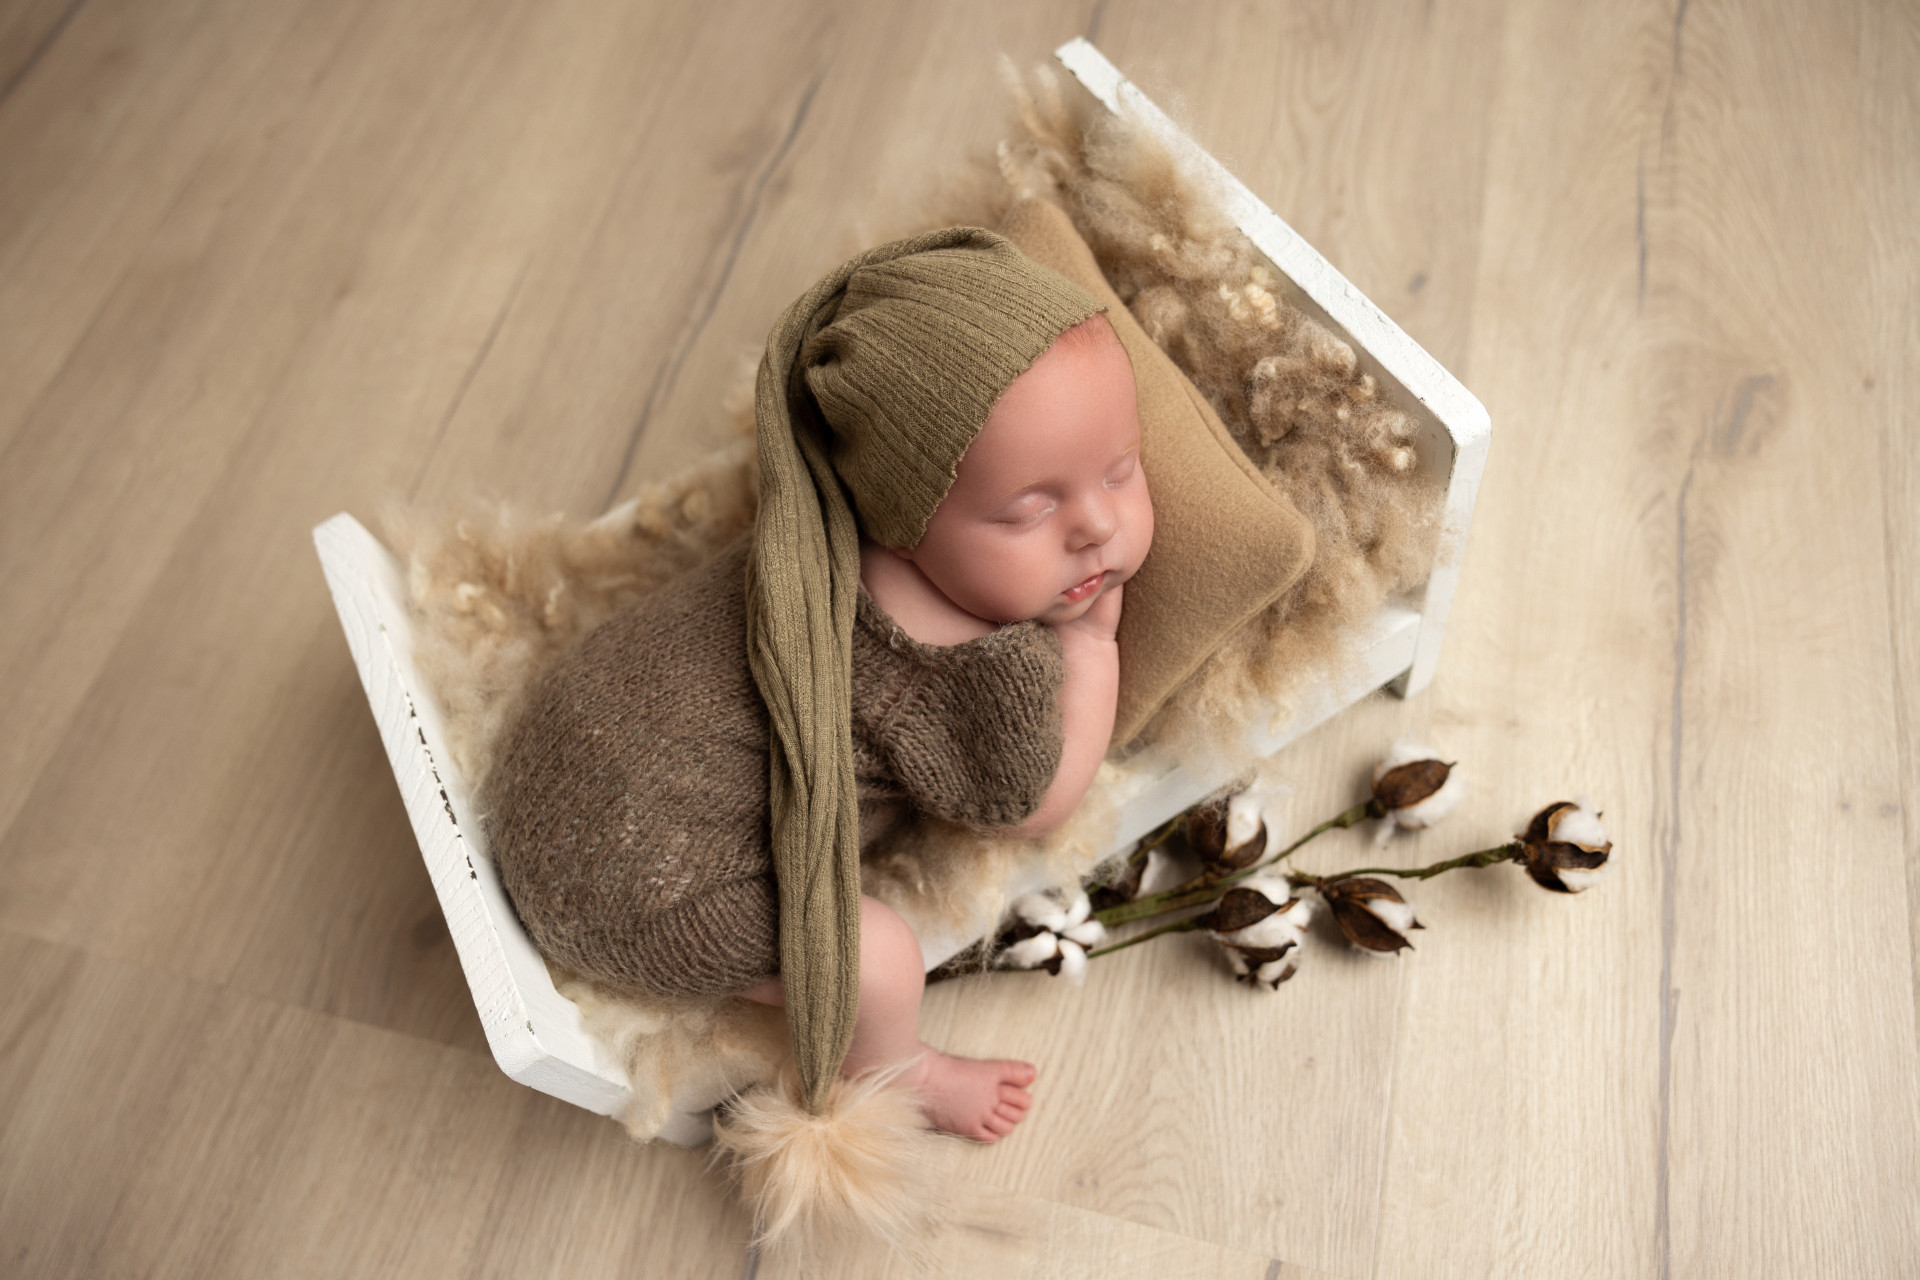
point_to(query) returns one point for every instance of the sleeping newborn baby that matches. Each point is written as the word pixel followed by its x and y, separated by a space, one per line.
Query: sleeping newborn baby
pixel 922 622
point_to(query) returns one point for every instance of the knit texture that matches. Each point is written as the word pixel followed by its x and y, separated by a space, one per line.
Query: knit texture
pixel 628 809
pixel 906 347
pixel 920 348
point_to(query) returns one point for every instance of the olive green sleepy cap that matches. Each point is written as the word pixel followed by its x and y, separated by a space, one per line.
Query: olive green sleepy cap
pixel 873 386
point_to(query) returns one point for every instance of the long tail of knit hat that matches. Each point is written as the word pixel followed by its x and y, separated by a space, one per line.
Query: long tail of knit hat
pixel 873 386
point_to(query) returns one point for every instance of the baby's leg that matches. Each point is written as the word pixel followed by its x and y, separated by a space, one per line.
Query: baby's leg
pixel 975 1098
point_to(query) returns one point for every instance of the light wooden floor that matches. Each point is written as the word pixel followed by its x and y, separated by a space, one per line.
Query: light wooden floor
pixel 263 260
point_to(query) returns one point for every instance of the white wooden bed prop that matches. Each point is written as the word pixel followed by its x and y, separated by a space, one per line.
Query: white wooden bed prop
pixel 536 1033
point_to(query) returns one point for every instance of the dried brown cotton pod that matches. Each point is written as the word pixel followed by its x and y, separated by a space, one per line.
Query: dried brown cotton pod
pixel 1370 914
pixel 1413 788
pixel 1565 848
pixel 1262 927
pixel 1208 828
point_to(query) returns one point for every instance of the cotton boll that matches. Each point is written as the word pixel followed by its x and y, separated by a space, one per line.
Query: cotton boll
pixel 1403 751
pixel 1275 972
pixel 1579 826
pixel 1397 916
pixel 1275 889
pixel 1243 819
pixel 1417 817
pixel 1264 973
pixel 1210 836
pixel 1078 909
pixel 1073 962
pixel 1266 805
pixel 1565 847
pixel 1413 788
pixel 1261 914
pixel 1278 929
pixel 1088 933
pixel 1578 881
pixel 1258 809
pixel 1370 913
pixel 1031 953
pixel 1163 871
pixel 1041 910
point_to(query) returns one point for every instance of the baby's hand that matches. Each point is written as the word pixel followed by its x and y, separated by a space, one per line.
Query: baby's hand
pixel 1102 621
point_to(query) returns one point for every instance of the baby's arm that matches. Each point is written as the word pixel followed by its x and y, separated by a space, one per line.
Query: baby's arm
pixel 1087 700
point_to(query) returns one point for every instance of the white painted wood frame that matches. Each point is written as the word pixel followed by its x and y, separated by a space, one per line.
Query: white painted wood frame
pixel 535 1033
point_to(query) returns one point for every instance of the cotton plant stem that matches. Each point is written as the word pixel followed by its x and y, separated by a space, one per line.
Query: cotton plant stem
pixel 1159 904
pixel 1213 892
pixel 1204 885
pixel 1178 926
pixel 1482 858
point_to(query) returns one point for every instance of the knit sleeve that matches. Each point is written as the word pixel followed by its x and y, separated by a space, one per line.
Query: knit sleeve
pixel 969 732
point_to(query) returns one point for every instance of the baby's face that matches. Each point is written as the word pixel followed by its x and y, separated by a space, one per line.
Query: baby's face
pixel 1049 507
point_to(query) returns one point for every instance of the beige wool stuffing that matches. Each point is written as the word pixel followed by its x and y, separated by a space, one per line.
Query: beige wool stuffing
pixel 498 595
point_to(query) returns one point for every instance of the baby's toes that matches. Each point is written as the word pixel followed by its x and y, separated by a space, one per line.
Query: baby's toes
pixel 1020 1074
pixel 1011 1115
pixel 1014 1096
pixel 997 1126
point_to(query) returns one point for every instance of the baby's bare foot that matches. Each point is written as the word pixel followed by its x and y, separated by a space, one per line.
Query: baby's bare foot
pixel 974 1098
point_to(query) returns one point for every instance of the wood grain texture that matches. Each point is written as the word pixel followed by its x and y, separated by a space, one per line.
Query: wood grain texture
pixel 260 262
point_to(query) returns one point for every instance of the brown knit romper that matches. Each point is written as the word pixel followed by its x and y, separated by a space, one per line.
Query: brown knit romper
pixel 628 809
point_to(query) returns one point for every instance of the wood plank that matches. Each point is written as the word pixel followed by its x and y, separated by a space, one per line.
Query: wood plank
pixel 233 660
pixel 1686 425
pixel 1529 1058
pixel 994 1233
pixel 644 198
pixel 118 113
pixel 1890 125
pixel 166 1127
pixel 189 349
pixel 1784 599
pixel 28 28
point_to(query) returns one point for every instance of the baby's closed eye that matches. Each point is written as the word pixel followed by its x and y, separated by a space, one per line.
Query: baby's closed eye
pixel 1026 510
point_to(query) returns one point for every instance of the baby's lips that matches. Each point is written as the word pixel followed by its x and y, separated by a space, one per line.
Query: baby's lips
pixel 1085 587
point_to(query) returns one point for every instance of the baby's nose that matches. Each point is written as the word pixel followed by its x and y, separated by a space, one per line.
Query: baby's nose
pixel 1097 521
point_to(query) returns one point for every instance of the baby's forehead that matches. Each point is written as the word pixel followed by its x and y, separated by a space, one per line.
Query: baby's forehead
pixel 1074 409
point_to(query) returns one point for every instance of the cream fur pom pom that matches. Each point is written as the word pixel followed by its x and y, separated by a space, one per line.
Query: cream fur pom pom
pixel 866 1165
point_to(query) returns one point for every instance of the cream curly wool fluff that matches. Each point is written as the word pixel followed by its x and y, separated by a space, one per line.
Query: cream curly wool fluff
pixel 864 1162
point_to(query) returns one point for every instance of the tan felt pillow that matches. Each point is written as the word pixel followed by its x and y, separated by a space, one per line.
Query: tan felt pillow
pixel 1226 543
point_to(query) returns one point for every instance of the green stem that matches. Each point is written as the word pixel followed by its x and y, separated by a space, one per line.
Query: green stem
pixel 1341 821
pixel 1158 904
pixel 1205 895
pixel 1178 926
pixel 1481 858
pixel 1183 895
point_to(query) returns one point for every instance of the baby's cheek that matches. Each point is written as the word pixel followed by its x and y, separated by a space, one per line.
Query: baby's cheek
pixel 1140 527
